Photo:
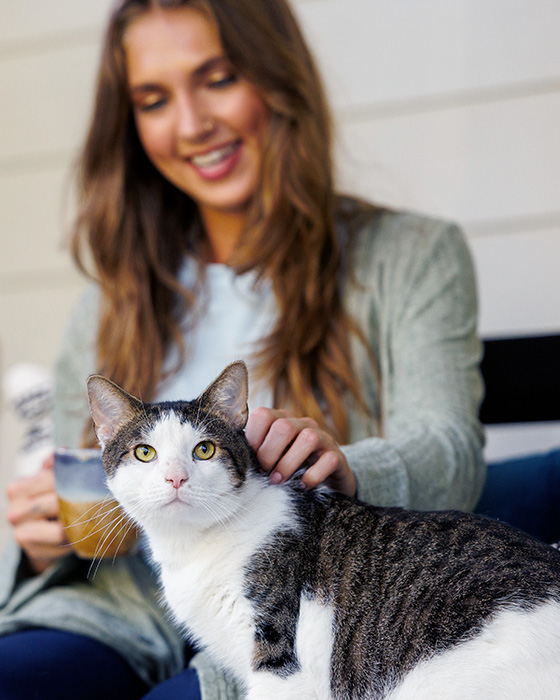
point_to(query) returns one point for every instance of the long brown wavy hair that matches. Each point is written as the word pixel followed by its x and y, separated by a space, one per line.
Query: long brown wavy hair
pixel 134 228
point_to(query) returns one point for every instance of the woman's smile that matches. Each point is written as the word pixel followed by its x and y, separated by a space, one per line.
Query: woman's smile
pixel 218 162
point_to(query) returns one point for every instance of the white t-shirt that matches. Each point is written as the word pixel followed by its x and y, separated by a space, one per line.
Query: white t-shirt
pixel 232 318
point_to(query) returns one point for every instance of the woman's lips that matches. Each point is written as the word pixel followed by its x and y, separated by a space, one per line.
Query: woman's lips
pixel 217 163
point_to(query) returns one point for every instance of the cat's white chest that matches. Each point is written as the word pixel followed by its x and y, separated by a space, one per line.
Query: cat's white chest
pixel 207 596
pixel 205 585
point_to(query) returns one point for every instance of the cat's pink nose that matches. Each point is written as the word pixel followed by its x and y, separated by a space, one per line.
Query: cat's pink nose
pixel 176 480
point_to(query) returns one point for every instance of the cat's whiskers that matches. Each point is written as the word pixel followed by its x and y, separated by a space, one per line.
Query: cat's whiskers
pixel 218 514
pixel 99 513
pixel 112 527
pixel 104 545
pixel 97 506
pixel 106 523
pixel 225 518
pixel 97 557
pixel 138 506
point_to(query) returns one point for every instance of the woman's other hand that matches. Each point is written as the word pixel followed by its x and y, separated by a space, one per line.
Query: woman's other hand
pixel 283 443
pixel 33 515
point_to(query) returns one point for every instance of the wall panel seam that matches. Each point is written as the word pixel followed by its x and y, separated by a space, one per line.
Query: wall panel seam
pixel 543 221
pixel 447 100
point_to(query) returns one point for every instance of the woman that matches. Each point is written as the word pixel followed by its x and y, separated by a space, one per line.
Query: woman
pixel 209 212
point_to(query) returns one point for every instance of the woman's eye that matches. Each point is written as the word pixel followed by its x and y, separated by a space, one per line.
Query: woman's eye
pixel 145 453
pixel 204 450
pixel 149 104
pixel 221 79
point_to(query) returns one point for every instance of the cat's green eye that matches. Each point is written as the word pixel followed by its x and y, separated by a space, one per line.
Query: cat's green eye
pixel 145 453
pixel 204 450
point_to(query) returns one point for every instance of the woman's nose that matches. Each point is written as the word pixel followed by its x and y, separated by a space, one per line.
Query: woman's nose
pixel 193 122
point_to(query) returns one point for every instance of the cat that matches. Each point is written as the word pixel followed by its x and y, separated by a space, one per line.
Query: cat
pixel 312 595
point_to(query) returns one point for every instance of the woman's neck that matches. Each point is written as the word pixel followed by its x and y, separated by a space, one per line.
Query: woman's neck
pixel 223 231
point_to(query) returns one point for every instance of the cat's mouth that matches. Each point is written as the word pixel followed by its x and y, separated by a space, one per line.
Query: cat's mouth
pixel 177 497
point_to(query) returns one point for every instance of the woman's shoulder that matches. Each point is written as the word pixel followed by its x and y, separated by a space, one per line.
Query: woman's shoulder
pixel 386 228
pixel 401 238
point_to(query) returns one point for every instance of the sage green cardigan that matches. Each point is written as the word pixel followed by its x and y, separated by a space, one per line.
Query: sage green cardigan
pixel 413 295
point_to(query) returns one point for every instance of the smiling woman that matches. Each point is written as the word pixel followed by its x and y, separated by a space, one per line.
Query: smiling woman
pixel 200 123
pixel 231 156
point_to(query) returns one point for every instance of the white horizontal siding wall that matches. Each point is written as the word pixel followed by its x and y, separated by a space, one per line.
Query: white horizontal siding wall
pixel 48 61
pixel 451 107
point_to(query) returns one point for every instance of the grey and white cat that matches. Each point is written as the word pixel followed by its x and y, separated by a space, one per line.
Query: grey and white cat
pixel 313 595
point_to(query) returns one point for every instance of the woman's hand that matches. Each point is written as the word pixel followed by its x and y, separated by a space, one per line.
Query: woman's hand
pixel 33 514
pixel 283 443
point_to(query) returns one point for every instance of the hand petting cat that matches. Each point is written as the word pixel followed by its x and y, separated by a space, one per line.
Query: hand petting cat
pixel 284 442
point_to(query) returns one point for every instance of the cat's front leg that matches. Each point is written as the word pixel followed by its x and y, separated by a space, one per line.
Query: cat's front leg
pixel 277 672
pixel 292 651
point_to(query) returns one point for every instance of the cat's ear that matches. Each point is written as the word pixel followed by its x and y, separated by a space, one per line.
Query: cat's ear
pixel 110 406
pixel 228 394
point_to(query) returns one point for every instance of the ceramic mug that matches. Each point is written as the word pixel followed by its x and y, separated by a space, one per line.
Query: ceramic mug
pixel 95 524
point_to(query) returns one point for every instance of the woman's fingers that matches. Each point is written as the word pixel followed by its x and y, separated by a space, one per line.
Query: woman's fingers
pixel 272 433
pixel 288 443
pixel 43 506
pixel 259 423
pixel 305 448
pixel 322 470
pixel 284 443
pixel 30 486
pixel 43 541
pixel 32 498
pixel 33 514
pixel 341 478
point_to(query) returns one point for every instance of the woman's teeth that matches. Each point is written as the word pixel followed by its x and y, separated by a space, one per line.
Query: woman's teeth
pixel 208 160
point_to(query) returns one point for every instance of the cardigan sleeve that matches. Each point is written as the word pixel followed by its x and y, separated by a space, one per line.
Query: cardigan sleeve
pixel 416 300
pixel 75 362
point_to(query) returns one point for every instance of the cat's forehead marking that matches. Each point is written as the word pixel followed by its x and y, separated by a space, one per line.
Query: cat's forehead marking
pixel 170 430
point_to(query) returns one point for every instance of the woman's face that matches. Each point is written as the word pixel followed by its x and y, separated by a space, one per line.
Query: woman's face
pixel 200 123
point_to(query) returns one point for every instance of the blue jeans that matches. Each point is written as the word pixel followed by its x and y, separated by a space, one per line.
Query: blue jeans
pixel 43 664
pixel 525 492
